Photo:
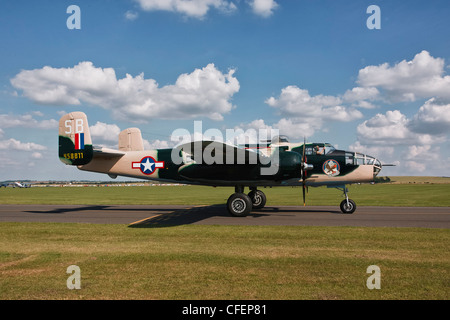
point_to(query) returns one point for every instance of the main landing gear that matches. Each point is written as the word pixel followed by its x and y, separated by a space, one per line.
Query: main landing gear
pixel 240 204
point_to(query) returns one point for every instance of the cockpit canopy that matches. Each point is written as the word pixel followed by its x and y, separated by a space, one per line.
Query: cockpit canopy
pixel 280 139
pixel 363 159
pixel 319 149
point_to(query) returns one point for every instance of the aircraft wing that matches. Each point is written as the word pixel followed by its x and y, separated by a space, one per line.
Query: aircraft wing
pixel 209 152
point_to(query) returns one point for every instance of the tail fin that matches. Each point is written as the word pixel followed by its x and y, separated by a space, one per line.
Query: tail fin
pixel 75 144
pixel 131 140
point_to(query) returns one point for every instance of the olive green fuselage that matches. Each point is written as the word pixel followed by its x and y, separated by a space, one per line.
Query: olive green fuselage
pixel 334 168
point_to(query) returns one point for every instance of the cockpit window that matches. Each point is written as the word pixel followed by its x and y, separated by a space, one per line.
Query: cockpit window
pixel 329 148
pixel 322 149
pixel 319 150
pixel 280 139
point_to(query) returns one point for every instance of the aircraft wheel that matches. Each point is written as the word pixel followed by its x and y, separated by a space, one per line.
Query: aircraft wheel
pixel 239 205
pixel 258 199
pixel 349 207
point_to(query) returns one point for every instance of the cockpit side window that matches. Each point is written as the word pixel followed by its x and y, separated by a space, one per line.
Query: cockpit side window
pixel 319 150
pixel 280 139
pixel 329 148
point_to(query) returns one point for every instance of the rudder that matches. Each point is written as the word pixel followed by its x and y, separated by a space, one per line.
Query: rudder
pixel 75 144
pixel 131 140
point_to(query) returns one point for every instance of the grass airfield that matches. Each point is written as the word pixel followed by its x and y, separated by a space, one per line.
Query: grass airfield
pixel 400 191
pixel 225 262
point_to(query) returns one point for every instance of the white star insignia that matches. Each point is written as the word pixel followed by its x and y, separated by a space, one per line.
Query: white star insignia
pixel 147 165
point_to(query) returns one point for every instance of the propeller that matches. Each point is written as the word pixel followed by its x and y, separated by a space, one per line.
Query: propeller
pixel 304 171
pixel 304 167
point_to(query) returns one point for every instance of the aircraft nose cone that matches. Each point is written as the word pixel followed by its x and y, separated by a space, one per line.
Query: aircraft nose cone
pixel 376 167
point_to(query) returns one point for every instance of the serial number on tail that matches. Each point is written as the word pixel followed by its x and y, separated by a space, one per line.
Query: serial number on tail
pixel 73 155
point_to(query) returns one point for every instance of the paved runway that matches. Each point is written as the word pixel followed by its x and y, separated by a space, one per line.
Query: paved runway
pixel 170 215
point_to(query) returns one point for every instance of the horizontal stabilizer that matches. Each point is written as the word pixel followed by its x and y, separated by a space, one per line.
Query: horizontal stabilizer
pixel 107 153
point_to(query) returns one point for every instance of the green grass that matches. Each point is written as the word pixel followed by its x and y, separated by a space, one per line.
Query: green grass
pixel 364 195
pixel 222 262
pixel 415 179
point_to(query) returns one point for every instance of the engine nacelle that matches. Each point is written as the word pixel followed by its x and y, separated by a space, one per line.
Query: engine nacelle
pixel 289 165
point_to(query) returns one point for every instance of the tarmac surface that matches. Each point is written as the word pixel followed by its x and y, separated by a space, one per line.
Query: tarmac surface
pixel 172 215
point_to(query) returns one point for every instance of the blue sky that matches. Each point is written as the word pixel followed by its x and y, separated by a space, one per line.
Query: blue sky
pixel 308 68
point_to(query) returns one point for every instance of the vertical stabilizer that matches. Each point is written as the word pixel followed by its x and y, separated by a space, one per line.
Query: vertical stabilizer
pixel 75 144
pixel 131 140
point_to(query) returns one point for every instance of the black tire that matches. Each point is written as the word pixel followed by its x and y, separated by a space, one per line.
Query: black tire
pixel 239 205
pixel 258 199
pixel 349 207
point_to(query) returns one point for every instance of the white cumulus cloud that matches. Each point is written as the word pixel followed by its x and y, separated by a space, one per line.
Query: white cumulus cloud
pixel 393 128
pixel 422 77
pixel 205 92
pixel 433 117
pixel 27 121
pixel 294 101
pixel 303 114
pixel 13 144
pixel 263 8
pixel 190 8
pixel 104 132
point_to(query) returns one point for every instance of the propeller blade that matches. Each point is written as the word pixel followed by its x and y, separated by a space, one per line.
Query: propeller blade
pixel 303 168
pixel 304 197
pixel 304 149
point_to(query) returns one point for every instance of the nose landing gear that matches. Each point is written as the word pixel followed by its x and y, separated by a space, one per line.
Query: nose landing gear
pixel 347 205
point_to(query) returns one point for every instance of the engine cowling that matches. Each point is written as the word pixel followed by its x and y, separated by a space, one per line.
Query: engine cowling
pixel 289 165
